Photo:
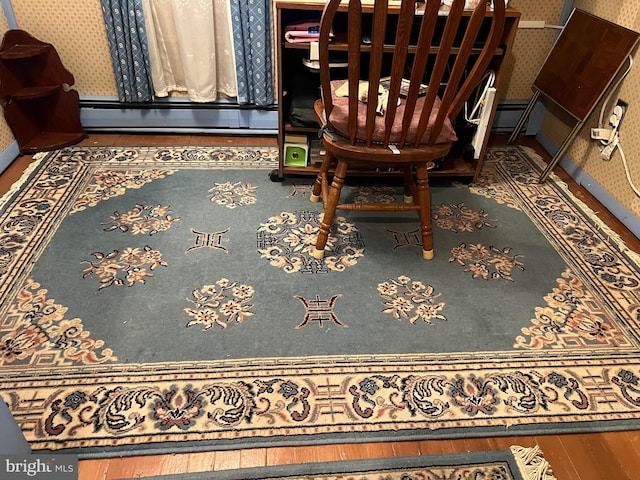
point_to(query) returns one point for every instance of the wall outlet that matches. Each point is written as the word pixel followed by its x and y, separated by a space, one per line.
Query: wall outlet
pixel 618 113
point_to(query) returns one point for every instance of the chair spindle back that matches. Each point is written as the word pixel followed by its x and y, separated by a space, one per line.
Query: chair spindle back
pixel 451 66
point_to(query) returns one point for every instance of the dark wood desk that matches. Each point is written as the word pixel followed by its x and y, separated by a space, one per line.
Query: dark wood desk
pixel 290 69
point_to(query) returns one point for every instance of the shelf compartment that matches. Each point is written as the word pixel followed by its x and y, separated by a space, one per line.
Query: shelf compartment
pixel 342 46
pixel 21 52
pixel 31 93
pixel 26 62
pixel 47 141
pixel 454 166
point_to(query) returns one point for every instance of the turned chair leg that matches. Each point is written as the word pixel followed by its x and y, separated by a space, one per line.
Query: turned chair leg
pixel 408 184
pixel 316 192
pixel 330 209
pixel 424 201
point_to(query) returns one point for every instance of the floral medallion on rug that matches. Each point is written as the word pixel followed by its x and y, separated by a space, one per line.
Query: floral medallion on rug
pixel 165 297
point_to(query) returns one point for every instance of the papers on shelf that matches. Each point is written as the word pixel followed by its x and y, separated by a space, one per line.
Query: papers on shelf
pixel 303 32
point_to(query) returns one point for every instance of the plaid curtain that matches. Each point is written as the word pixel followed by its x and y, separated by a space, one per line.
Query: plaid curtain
pixel 126 33
pixel 251 23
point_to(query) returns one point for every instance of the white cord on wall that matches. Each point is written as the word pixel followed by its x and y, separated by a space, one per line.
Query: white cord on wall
pixel 614 143
pixel 626 170
pixel 612 91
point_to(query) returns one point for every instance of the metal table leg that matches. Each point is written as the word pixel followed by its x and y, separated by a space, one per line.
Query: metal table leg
pixel 561 151
pixel 524 117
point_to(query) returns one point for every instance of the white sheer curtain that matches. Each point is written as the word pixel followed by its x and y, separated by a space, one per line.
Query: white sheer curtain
pixel 191 48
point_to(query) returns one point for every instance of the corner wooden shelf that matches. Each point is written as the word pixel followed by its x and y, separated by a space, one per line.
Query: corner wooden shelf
pixel 29 93
pixel 40 107
pixel 19 52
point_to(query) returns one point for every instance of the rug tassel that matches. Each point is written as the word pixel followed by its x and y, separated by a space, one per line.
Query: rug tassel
pixel 37 158
pixel 532 463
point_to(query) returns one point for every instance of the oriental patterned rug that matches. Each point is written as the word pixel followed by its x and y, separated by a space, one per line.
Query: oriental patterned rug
pixel 517 463
pixel 157 299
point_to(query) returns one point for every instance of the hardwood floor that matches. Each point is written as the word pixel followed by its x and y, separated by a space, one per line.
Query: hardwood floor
pixel 596 456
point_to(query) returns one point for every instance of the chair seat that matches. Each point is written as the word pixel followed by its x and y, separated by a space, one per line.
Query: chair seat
pixel 377 152
pixel 340 116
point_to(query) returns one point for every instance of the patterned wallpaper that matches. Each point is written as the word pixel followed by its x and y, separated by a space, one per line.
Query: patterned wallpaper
pixel 610 175
pixel 531 46
pixel 77 31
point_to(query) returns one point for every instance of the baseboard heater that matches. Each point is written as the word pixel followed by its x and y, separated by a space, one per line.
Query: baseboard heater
pixel 110 115
pixel 508 112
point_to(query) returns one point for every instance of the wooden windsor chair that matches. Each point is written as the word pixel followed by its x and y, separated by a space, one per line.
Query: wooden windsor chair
pixel 403 128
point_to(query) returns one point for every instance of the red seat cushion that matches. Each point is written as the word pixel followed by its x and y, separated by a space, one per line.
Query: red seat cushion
pixel 340 114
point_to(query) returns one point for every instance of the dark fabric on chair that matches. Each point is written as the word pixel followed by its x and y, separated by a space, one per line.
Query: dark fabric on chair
pixel 340 115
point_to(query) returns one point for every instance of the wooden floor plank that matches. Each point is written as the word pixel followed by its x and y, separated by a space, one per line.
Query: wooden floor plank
pixel 376 450
pixel 197 462
pixel 226 460
pixel 253 457
pixel 405 449
pixel 556 454
pixel 141 466
pixel 94 468
pixel 626 445
pixel 583 460
pixel 278 456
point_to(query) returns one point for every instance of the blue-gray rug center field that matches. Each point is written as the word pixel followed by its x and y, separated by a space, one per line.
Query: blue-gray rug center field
pixel 162 297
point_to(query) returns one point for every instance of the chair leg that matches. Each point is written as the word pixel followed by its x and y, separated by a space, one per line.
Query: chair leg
pixel 316 193
pixel 424 201
pixel 330 208
pixel 408 185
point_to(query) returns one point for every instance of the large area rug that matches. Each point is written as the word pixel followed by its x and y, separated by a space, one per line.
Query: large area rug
pixel 518 463
pixel 165 298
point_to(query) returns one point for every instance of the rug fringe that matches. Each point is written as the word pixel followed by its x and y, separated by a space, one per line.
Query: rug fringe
pixel 532 463
pixel 613 236
pixel 37 159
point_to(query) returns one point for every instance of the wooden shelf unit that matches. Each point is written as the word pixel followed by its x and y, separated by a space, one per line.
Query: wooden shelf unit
pixel 41 109
pixel 289 63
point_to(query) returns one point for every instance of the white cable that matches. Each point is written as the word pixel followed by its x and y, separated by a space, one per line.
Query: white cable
pixel 626 170
pixel 607 153
pixel 612 91
pixel 610 146
pixel 490 77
